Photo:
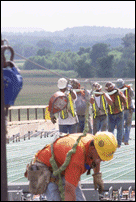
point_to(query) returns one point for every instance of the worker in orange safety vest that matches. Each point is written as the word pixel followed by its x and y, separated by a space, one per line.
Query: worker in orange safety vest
pixel 90 151
pixel 115 110
pixel 99 100
pixel 128 108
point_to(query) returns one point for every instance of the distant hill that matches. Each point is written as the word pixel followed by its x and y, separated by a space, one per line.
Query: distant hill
pixel 93 31
pixel 69 38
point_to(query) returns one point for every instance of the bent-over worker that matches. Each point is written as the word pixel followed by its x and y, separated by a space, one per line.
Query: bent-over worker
pixel 90 151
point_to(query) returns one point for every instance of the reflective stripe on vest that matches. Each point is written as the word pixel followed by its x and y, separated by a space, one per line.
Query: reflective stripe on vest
pixel 63 115
pixel 71 105
pixel 120 106
pixel 127 99
pixel 103 104
pixel 94 109
pixel 64 112
pixel 110 109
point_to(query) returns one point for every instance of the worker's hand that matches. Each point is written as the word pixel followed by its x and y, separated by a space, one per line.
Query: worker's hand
pixel 53 119
pixel 98 182
pixel 92 100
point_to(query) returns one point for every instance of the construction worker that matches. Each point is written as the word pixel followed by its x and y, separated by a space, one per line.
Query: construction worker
pixel 115 110
pixel 80 104
pixel 90 151
pixel 67 118
pixel 99 101
pixel 128 108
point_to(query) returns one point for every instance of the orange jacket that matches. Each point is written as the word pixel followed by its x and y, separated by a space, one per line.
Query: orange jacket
pixel 61 147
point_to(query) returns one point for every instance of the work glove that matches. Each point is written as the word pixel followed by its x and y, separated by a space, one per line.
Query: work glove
pixel 98 182
pixel 53 119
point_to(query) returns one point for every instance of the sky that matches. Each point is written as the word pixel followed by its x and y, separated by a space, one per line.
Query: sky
pixel 59 15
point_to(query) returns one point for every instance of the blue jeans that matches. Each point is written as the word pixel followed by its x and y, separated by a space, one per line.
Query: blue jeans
pixel 116 120
pixel 52 192
pixel 68 128
pixel 81 124
pixel 127 124
pixel 99 124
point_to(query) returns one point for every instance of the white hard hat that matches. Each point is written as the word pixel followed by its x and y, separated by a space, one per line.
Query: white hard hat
pixel 120 83
pixel 62 83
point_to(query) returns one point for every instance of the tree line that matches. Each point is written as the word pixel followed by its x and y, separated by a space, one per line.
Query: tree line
pixel 114 57
pixel 89 62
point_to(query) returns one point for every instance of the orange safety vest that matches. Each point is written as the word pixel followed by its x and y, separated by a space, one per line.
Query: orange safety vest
pixel 61 148
pixel 117 106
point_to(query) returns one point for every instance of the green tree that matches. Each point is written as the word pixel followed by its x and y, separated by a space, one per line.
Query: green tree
pixel 29 51
pixel 121 69
pixel 83 50
pixel 36 59
pixel 129 53
pixel 98 50
pixel 131 68
pixel 45 44
pixel 18 48
pixel 84 69
pixel 129 40
pixel 41 52
pixel 105 69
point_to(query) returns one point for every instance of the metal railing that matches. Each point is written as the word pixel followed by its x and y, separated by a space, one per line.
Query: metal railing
pixel 28 107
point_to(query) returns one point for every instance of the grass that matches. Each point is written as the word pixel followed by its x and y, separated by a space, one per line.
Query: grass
pixel 38 90
pixel 19 63
pixel 46 73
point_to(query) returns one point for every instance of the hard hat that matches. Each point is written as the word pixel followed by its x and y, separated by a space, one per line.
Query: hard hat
pixel 105 144
pixel 109 86
pixel 96 86
pixel 62 83
pixel 75 83
pixel 120 83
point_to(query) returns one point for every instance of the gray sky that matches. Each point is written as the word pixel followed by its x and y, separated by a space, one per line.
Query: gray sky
pixel 58 15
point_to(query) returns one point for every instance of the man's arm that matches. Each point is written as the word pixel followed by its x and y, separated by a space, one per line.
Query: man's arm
pixel 73 94
pixel 108 99
pixel 97 168
pixel 97 178
pixel 70 192
pixel 92 100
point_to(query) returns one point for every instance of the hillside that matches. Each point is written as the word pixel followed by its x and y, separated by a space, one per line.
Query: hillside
pixel 67 39
pixel 77 31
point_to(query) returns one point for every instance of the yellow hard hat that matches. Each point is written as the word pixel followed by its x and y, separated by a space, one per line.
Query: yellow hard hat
pixel 105 144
